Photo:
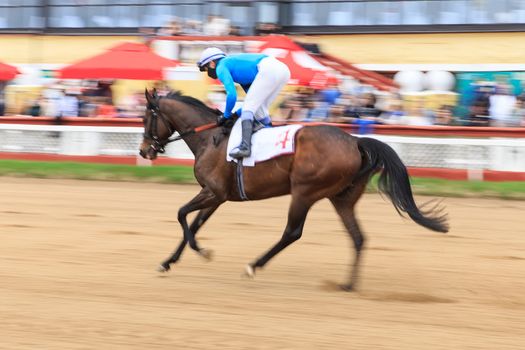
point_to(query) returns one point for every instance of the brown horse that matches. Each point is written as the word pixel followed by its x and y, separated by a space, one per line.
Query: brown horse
pixel 327 163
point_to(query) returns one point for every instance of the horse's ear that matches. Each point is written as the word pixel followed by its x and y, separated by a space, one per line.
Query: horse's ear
pixel 149 98
pixel 155 94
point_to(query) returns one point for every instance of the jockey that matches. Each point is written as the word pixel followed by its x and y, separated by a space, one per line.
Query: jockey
pixel 262 77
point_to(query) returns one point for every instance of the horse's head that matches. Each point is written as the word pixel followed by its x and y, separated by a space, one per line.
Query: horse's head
pixel 157 128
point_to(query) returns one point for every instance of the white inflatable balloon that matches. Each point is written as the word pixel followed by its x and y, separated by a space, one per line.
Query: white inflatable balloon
pixel 410 80
pixel 440 80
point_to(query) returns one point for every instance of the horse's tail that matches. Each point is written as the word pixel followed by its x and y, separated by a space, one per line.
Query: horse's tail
pixel 394 182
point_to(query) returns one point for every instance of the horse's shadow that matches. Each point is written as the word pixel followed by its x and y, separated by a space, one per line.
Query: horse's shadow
pixel 389 296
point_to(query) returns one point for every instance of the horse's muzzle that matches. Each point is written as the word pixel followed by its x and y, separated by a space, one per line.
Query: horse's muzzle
pixel 148 153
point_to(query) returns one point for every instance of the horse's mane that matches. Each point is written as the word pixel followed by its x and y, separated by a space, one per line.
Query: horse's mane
pixel 192 101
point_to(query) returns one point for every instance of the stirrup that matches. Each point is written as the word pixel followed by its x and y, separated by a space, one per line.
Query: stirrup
pixel 241 152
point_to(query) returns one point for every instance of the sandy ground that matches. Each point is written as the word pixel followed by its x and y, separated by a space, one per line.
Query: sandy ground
pixel 78 259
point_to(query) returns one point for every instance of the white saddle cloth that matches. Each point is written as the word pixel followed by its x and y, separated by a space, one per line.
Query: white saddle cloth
pixel 267 143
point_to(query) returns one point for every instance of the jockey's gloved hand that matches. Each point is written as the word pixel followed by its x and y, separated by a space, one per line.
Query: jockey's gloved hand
pixel 222 120
pixel 236 115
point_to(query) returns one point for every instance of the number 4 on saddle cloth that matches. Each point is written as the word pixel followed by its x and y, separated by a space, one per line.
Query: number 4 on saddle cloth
pixel 267 143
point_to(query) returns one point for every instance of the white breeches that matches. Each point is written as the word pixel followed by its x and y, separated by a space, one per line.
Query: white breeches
pixel 272 77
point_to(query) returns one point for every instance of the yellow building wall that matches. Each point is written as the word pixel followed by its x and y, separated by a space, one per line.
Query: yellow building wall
pixel 464 48
pixel 453 48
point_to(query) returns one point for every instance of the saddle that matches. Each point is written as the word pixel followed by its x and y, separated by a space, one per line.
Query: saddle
pixel 228 126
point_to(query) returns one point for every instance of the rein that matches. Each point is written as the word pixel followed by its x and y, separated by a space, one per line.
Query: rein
pixel 152 134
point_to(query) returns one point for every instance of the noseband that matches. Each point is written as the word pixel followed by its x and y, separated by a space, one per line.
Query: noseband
pixel 151 133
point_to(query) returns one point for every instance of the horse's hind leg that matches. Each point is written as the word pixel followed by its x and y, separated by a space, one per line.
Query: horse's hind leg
pixel 344 203
pixel 197 223
pixel 294 229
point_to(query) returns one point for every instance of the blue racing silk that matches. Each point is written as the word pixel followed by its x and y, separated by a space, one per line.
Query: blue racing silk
pixel 241 69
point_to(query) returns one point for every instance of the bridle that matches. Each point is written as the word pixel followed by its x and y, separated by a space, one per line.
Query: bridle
pixel 151 131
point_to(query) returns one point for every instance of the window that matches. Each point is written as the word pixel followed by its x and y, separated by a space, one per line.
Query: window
pixel 415 12
pixel 66 17
pixel 303 14
pixel 452 12
pixel 21 14
pixel 268 12
pixel 155 15
pixel 129 14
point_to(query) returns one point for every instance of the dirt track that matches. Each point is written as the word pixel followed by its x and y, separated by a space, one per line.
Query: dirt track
pixel 78 261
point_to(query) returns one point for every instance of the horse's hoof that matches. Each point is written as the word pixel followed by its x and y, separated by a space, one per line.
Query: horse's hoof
pixel 163 268
pixel 206 254
pixel 347 287
pixel 249 272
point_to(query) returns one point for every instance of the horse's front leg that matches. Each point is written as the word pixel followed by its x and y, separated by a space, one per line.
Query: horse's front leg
pixel 205 199
pixel 197 223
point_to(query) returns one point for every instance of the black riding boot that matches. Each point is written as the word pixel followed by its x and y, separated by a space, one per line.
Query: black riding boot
pixel 245 148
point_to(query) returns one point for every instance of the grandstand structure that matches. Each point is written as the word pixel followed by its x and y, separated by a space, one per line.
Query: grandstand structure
pixel 304 16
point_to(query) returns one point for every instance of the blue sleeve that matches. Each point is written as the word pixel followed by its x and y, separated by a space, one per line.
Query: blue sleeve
pixel 231 93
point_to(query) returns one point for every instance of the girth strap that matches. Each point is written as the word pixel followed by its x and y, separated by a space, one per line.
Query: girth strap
pixel 240 180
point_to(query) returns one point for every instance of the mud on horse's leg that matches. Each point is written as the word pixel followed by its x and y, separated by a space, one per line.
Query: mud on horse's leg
pixel 197 223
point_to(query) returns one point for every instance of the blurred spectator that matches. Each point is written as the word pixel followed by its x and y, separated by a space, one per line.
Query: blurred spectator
pixel 146 35
pixel 338 113
pixel 87 106
pixel 366 108
pixel 262 28
pixel 69 103
pixel 105 108
pixel 133 106
pixel 103 89
pixel 172 28
pixel 192 27
pixel 162 87
pixel 331 93
pixel 443 115
pixel 216 26
pixel 501 106
pixel 478 115
pixel 518 113
pixel 235 31
pixel 2 97
pixel 393 112
pixel 51 105
pixel 419 114
pixel 315 110
pixel 291 109
pixel 34 107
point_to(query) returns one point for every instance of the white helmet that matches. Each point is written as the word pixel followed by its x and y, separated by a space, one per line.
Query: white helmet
pixel 208 55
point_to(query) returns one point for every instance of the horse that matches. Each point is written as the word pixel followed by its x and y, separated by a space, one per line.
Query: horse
pixel 327 163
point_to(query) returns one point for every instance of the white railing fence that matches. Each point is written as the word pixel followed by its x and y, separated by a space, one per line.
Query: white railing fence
pixel 504 154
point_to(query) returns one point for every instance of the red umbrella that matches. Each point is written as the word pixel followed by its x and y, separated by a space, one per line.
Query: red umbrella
pixel 8 72
pixel 305 70
pixel 124 61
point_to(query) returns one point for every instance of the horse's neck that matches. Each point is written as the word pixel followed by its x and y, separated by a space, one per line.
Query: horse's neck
pixel 197 141
pixel 186 119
